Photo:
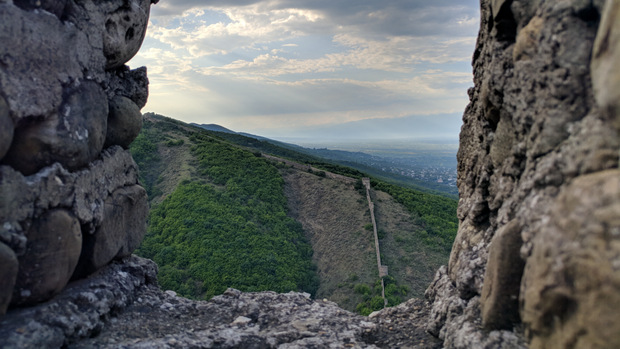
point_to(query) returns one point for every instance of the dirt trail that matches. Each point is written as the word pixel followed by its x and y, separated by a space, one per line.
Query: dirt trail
pixel 304 167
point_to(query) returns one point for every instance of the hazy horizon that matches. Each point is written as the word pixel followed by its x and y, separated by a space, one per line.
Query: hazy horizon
pixel 282 68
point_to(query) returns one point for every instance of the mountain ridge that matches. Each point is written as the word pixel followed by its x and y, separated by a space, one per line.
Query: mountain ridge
pixel 353 283
pixel 379 166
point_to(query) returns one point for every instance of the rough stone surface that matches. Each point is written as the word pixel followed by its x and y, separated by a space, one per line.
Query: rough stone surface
pixel 456 321
pixel 121 306
pixel 61 69
pixel 533 126
pixel 570 291
pixel 56 7
pixel 125 28
pixel 27 197
pixel 132 84
pixel 499 300
pixel 80 310
pixel 35 44
pixel 121 231
pixel 537 176
pixel 6 128
pixel 73 137
pixel 93 36
pixel 605 58
pixel 124 122
pixel 402 326
pixel 8 275
pixel 52 252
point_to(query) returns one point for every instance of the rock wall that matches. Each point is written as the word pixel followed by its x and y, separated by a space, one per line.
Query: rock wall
pixel 537 256
pixel 69 195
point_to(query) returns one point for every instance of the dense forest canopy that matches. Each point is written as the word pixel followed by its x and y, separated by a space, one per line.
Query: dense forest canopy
pixel 229 231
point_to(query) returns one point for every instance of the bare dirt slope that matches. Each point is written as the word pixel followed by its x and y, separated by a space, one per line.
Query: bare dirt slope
pixel 409 260
pixel 333 215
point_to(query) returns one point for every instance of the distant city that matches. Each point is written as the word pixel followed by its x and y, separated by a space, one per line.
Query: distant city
pixel 427 171
pixel 431 163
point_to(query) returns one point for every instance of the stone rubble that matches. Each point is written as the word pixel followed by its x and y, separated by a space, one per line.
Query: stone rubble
pixel 121 305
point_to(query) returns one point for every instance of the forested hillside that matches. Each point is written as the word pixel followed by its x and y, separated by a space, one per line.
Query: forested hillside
pixel 226 225
pixel 225 216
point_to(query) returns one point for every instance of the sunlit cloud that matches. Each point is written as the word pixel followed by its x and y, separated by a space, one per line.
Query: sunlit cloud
pixel 258 65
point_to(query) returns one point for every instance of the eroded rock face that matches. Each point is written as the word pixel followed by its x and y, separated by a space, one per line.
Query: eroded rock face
pixel 570 289
pixel 540 132
pixel 121 231
pixel 66 104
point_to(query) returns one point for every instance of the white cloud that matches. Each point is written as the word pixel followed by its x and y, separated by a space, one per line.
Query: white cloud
pixel 396 54
pixel 245 28
pixel 264 63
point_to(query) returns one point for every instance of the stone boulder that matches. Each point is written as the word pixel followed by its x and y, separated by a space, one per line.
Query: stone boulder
pixel 82 194
pixel 125 28
pixel 124 122
pixel 74 137
pixel 499 302
pixel 52 252
pixel 121 231
pixel 570 291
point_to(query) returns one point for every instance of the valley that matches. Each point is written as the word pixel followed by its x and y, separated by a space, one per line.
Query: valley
pixel 188 170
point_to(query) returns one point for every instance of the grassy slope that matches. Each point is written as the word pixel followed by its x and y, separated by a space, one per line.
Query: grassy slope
pixel 333 215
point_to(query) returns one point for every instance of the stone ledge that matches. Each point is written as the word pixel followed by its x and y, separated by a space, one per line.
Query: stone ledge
pixel 81 309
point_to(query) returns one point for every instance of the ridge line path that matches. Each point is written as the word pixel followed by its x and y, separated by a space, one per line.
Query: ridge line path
pixel 305 167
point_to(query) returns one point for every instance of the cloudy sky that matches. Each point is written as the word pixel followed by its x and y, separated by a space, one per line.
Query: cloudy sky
pixel 311 68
